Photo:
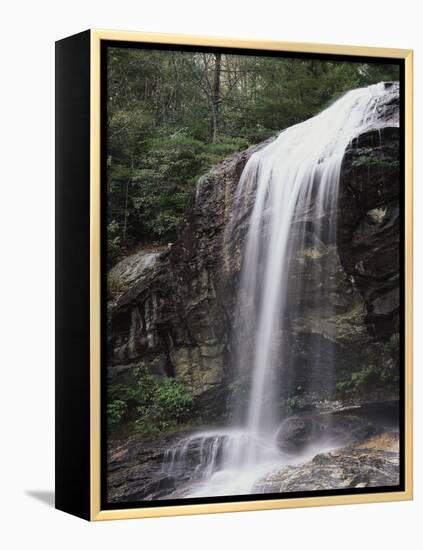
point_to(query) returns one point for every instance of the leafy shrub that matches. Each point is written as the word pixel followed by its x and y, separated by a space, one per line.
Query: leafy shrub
pixel 368 377
pixel 357 380
pixel 154 403
pixel 168 404
pixel 116 410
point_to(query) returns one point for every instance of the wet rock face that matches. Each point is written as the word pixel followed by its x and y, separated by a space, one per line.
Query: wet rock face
pixel 130 270
pixel 135 470
pixel 373 462
pixel 369 227
pixel 177 314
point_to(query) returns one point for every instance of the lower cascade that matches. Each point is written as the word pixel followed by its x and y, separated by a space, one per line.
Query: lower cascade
pixel 294 181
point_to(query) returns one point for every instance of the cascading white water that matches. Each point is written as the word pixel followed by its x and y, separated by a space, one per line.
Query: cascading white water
pixel 294 181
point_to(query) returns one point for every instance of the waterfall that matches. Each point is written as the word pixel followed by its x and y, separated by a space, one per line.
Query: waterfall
pixel 293 183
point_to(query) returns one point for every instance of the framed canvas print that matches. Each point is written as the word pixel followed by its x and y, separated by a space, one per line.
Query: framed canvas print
pixel 234 276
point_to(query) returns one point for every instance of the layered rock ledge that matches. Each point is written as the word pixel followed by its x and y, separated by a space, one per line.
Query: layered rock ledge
pixel 371 463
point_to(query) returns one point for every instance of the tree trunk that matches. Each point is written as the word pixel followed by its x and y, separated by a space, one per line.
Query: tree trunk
pixel 216 96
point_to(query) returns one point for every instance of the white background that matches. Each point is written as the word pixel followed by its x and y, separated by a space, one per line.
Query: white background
pixel 29 30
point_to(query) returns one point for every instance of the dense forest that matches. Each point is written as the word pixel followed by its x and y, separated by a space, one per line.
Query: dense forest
pixel 172 115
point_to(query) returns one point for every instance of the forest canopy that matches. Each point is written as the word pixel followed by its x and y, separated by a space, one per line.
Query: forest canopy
pixel 171 115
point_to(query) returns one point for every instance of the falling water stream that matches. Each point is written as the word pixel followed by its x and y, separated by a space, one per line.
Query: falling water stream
pixel 294 182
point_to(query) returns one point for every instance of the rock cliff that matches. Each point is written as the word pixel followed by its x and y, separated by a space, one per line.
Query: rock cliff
pixel 173 309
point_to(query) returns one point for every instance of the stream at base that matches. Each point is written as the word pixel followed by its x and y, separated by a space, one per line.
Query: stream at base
pixel 214 462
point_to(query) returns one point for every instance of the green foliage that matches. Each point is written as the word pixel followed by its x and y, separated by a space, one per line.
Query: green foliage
pixel 216 152
pixel 155 404
pixel 368 377
pixel 116 411
pixel 167 125
pixel 160 186
pixel 293 403
pixel 356 381
pixel 360 377
pixel 168 403
pixel 114 247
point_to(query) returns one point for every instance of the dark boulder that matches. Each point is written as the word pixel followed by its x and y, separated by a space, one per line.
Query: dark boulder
pixel 297 433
